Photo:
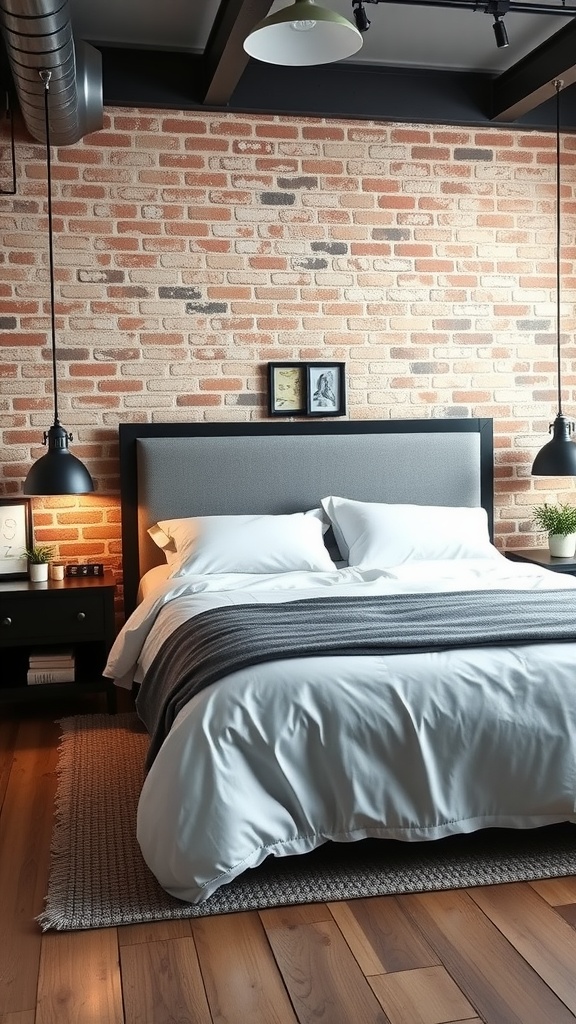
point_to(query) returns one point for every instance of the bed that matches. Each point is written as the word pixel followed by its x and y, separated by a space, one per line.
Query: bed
pixel 328 647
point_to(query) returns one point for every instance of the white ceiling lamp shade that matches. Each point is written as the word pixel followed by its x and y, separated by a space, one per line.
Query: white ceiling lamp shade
pixel 303 34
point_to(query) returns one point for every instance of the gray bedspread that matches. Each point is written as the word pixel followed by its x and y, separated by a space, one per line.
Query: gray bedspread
pixel 224 640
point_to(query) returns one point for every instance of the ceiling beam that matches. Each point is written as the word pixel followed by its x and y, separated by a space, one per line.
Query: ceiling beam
pixel 224 57
pixel 529 82
pixel 163 79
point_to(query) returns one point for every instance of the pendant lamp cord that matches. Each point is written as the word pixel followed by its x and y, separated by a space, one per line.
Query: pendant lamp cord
pixel 46 76
pixel 558 84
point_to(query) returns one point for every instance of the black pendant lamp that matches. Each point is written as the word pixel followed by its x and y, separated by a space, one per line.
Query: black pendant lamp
pixel 57 472
pixel 558 457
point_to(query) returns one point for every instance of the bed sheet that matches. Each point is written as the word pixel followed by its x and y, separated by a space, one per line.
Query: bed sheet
pixel 279 758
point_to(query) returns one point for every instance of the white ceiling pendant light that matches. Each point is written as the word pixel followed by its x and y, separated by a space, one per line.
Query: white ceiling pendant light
pixel 303 34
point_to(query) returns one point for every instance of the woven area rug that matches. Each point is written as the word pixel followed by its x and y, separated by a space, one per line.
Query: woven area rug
pixel 99 879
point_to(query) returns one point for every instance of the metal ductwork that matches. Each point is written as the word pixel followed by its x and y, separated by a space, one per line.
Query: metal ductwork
pixel 38 36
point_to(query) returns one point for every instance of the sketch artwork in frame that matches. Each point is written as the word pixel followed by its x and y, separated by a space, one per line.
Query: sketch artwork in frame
pixel 15 537
pixel 287 389
pixel 325 389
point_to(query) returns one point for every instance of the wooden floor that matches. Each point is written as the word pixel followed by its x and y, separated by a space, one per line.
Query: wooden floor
pixel 501 954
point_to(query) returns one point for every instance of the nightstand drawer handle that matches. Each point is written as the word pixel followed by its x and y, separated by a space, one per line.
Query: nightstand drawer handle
pixel 7 621
pixel 81 616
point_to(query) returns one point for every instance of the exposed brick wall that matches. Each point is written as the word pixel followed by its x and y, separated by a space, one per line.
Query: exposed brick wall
pixel 191 249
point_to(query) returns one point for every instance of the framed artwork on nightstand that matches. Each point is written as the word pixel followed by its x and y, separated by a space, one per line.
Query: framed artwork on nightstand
pixel 15 537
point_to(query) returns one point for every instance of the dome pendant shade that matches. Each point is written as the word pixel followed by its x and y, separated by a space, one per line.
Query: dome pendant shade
pixel 58 472
pixel 558 457
pixel 303 34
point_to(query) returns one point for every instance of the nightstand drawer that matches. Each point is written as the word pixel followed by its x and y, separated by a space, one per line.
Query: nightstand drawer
pixel 65 618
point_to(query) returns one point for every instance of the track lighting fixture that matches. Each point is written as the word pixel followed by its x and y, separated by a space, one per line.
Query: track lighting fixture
pixel 360 16
pixel 496 8
pixel 500 32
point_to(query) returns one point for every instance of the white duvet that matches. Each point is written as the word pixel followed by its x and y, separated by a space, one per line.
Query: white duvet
pixel 279 758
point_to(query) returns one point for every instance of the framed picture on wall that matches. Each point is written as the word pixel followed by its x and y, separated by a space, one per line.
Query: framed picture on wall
pixel 287 389
pixel 15 537
pixel 325 389
pixel 307 389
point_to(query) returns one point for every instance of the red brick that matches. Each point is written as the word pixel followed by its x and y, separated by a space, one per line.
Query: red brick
pixel 209 399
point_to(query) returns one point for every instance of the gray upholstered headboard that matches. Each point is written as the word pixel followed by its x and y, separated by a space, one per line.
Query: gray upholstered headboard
pixel 173 470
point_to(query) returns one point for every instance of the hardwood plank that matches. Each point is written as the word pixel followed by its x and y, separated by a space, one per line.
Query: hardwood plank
pixel 568 913
pixel 162 983
pixel 324 981
pixel 422 996
pixel 541 936
pixel 27 818
pixel 380 935
pixel 24 1017
pixel 356 938
pixel 289 917
pixel 241 978
pixel 8 733
pixel 556 891
pixel 130 934
pixel 493 976
pixel 79 980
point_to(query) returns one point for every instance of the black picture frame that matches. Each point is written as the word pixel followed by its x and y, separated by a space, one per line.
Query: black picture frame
pixel 292 389
pixel 325 389
pixel 287 389
pixel 15 537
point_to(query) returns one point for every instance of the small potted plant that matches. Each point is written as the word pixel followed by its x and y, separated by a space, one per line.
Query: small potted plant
pixel 559 521
pixel 38 557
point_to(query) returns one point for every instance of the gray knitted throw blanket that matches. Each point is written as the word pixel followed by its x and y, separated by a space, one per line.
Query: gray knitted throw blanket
pixel 224 640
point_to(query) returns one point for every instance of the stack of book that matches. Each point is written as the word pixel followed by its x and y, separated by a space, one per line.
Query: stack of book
pixel 55 665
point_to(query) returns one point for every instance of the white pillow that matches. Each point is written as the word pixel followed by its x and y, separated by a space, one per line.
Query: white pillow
pixel 372 535
pixel 253 543
pixel 151 579
pixel 164 541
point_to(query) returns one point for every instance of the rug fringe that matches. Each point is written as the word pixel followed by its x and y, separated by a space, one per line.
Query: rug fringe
pixel 71 730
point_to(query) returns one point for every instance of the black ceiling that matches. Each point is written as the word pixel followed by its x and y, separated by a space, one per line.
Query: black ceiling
pixel 223 77
pixel 211 71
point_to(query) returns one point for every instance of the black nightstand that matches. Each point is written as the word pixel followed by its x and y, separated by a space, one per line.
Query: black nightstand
pixel 541 556
pixel 77 613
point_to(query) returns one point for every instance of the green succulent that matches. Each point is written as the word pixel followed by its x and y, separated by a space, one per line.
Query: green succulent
pixel 39 553
pixel 556 519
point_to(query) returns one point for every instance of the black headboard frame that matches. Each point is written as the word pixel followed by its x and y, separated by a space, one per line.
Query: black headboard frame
pixel 171 470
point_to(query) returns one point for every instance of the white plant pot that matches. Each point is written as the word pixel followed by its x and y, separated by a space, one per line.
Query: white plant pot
pixel 562 545
pixel 38 571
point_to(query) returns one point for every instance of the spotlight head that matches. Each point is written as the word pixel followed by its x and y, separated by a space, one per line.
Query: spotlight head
pixel 500 32
pixel 360 16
